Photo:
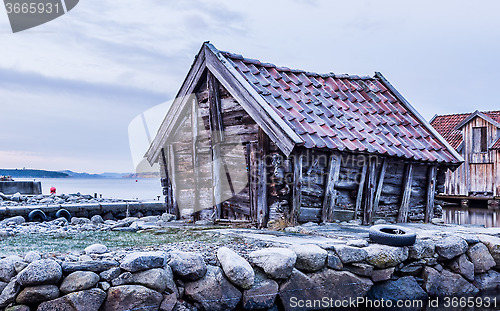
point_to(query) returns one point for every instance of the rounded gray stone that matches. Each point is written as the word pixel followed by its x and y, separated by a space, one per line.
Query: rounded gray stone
pixel 40 272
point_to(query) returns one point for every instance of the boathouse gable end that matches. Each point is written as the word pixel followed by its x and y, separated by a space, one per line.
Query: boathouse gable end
pixel 248 141
pixel 477 137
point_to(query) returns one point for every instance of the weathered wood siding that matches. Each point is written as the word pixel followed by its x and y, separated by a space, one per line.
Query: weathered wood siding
pixel 349 199
pixel 480 172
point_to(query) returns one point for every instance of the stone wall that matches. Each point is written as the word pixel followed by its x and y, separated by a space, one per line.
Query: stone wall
pixel 298 277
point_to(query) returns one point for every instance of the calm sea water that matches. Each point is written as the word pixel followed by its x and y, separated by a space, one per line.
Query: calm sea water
pixel 116 188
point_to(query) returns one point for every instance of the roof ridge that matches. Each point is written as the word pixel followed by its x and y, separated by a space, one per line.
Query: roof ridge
pixel 257 62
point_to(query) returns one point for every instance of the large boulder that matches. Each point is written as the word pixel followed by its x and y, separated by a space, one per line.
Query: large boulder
pixel 213 292
pixel 336 285
pixel 37 294
pixel 18 308
pixel 402 289
pixel 481 258
pixel 261 296
pixel 168 303
pixel 40 272
pixel 446 283
pixel 463 266
pixel 156 279
pixel 451 247
pixel 277 263
pixel 143 261
pixel 487 281
pixel 110 274
pixel 310 257
pixel 493 244
pixel 16 220
pixel 89 265
pixel 236 268
pixel 421 249
pixel 78 281
pixel 188 266
pixel 9 293
pixel 132 297
pixel 8 268
pixel 349 254
pixel 383 256
pixel 87 300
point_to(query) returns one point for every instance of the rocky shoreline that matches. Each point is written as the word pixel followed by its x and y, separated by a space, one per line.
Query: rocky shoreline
pixel 42 199
pixel 255 276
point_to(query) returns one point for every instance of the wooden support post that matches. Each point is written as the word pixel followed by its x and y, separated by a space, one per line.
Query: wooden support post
pixel 330 192
pixel 370 193
pixel 359 197
pixel 217 137
pixel 297 188
pixel 262 208
pixel 252 179
pixel 195 159
pixel 167 183
pixel 431 192
pixel 380 184
pixel 405 201
pixel 171 168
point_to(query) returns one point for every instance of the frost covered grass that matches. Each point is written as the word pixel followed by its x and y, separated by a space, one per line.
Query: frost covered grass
pixel 63 243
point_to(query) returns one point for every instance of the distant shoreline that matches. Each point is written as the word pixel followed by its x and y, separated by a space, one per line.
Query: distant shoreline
pixel 35 173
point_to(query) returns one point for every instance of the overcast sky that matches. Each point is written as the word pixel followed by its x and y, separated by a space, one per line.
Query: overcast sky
pixel 70 88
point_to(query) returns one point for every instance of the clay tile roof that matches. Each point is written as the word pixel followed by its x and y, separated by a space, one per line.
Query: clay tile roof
pixel 343 112
pixel 446 126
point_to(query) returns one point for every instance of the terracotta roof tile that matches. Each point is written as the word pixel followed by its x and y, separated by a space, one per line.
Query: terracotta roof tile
pixel 342 111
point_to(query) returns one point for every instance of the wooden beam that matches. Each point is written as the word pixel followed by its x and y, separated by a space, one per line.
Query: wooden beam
pixel 252 179
pixel 216 135
pixel 405 201
pixel 253 103
pixel 330 192
pixel 361 186
pixel 370 193
pixel 296 188
pixel 380 184
pixel 431 192
pixel 195 159
pixel 173 180
pixel 167 183
pixel 262 208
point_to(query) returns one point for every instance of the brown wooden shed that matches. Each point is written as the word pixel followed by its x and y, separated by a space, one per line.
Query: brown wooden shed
pixel 253 141
pixel 476 136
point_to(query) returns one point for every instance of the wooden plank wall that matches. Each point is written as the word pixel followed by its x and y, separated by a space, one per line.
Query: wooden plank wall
pixel 389 191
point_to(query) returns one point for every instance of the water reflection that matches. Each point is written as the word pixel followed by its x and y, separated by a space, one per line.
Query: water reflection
pixel 472 216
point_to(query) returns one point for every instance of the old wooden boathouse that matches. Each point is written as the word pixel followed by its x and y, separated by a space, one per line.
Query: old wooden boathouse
pixel 313 147
pixel 476 136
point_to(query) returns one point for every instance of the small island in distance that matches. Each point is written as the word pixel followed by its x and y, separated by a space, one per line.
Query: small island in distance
pixel 35 173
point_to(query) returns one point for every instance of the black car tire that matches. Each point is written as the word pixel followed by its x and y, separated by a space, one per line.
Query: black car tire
pixel 392 235
pixel 63 213
pixel 37 216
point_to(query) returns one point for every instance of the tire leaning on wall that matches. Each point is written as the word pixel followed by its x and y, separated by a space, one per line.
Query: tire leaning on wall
pixel 37 216
pixel 392 235
pixel 63 213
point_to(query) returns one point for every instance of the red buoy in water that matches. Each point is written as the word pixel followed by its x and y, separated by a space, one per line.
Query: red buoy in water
pixel 53 190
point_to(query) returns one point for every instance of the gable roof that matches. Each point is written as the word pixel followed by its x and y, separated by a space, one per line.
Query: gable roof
pixel 337 112
pixel 449 126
